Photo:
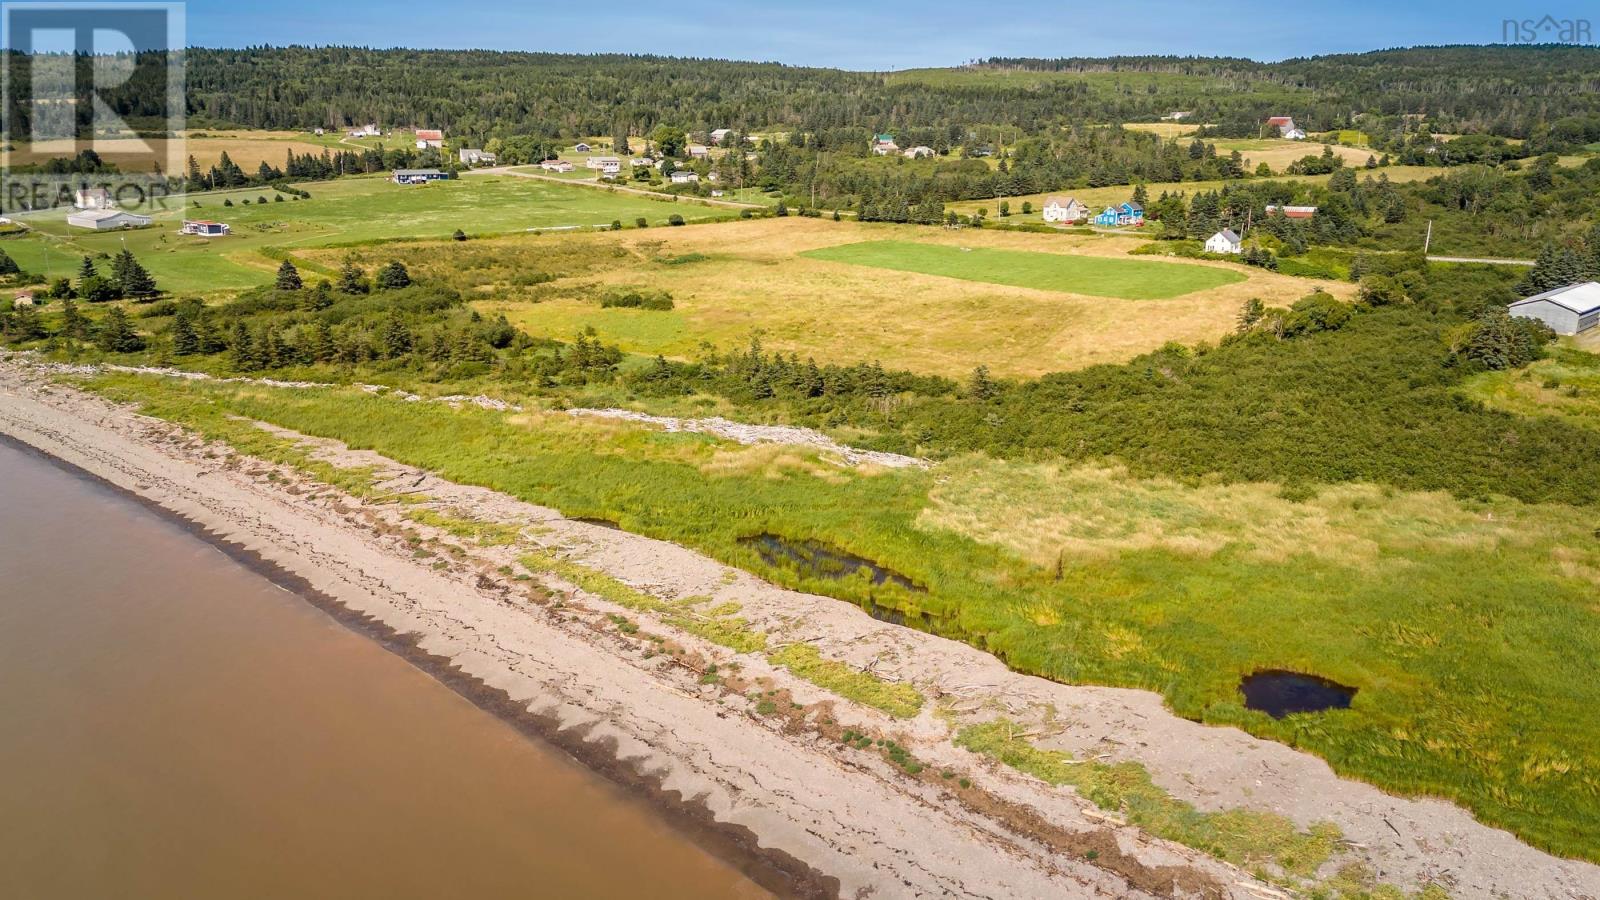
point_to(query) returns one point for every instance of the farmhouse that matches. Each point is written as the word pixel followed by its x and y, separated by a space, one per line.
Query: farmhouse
pixel 1293 212
pixel 1573 309
pixel 918 152
pixel 418 176
pixel 699 151
pixel 93 198
pixel 1129 213
pixel 205 228
pixel 720 135
pixel 107 219
pixel 883 145
pixel 602 162
pixel 1286 128
pixel 684 176
pixel 556 165
pixel 470 157
pixel 641 162
pixel 368 131
pixel 429 137
pixel 1065 209
pixel 1224 241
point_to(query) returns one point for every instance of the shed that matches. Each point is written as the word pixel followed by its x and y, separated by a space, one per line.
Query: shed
pixel 1573 309
pixel 107 219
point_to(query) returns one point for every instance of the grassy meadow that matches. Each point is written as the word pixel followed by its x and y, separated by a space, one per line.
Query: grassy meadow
pixel 733 281
pixel 1466 625
pixel 1095 276
pixel 346 211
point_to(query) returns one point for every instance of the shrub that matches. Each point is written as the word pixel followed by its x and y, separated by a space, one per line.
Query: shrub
pixel 636 298
pixel 674 219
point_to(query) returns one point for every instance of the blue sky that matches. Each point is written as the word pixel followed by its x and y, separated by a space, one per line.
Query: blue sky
pixel 869 34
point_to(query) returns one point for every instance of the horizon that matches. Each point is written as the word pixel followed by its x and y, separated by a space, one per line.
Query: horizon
pixel 834 34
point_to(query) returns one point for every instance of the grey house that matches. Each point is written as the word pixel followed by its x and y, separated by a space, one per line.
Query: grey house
pixel 1573 309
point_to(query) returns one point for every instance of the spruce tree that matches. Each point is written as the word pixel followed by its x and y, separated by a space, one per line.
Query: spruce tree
pixel 185 342
pixel 8 266
pixel 133 278
pixel 86 270
pixel 393 276
pixel 351 279
pixel 73 324
pixel 117 334
pixel 289 277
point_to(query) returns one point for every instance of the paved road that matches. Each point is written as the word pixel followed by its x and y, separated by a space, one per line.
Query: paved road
pixel 654 195
pixel 1482 259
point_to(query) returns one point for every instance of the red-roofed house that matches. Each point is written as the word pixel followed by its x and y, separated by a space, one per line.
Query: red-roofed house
pixel 1286 128
pixel 430 137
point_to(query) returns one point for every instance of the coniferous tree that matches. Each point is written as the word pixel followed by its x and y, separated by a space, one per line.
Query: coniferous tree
pixel 132 278
pixel 8 266
pixel 116 333
pixel 351 279
pixel 289 277
pixel 393 276
pixel 185 341
pixel 73 324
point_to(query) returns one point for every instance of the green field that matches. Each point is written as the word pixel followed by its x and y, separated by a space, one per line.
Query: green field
pixel 1091 275
pixel 347 211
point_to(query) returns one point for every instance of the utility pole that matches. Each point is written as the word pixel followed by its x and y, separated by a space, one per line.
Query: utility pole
pixel 1427 241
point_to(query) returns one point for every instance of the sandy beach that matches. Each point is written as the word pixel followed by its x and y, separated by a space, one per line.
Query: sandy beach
pixel 766 783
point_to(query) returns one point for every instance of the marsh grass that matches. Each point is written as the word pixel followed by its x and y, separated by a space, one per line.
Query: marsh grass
pixel 1469 628
pixel 900 700
pixel 1246 838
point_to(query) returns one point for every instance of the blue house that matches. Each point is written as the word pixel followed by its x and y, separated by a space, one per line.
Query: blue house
pixel 1129 213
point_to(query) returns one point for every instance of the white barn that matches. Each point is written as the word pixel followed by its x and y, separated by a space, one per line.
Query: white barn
pixel 1573 309
pixel 107 219
pixel 1224 241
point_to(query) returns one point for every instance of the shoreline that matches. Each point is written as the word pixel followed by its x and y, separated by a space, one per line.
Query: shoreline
pixel 735 845
pixel 781 794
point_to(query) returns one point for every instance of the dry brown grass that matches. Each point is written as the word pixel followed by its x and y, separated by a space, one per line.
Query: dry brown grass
pixel 247 149
pixel 1044 512
pixel 753 283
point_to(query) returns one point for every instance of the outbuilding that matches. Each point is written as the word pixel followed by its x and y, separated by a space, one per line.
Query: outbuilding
pixel 418 176
pixel 107 219
pixel 205 228
pixel 1573 309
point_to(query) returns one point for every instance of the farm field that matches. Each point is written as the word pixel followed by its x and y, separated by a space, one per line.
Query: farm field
pixel 1099 198
pixel 246 148
pixel 1279 153
pixel 1092 275
pixel 739 280
pixel 344 211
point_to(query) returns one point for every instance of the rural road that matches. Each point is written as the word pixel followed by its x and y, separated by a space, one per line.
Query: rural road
pixel 1482 259
pixel 657 195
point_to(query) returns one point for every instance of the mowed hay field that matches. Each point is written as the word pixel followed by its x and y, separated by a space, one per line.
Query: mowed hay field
pixel 246 148
pixel 1279 153
pixel 759 278
pixel 1094 276
pixel 345 211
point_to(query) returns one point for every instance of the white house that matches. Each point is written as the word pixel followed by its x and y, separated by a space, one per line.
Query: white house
pixel 107 219
pixel 93 198
pixel 611 169
pixel 1573 309
pixel 684 176
pixel 641 162
pixel 1064 209
pixel 23 299
pixel 470 157
pixel 206 228
pixel 883 145
pixel 556 165
pixel 1224 241
pixel 720 135
pixel 602 162
pixel 918 152
pixel 429 137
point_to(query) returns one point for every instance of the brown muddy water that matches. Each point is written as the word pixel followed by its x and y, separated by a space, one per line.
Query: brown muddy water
pixel 173 725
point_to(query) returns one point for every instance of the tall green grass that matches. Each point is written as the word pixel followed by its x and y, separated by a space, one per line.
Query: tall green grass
pixel 1472 664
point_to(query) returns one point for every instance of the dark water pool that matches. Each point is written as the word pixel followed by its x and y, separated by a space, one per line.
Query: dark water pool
pixel 1279 693
pixel 822 560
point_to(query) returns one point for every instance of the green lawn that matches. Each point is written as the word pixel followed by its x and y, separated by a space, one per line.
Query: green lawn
pixel 346 211
pixel 1128 279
